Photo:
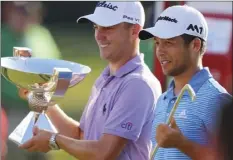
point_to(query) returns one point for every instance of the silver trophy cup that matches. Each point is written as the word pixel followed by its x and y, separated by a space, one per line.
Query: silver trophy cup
pixel 47 81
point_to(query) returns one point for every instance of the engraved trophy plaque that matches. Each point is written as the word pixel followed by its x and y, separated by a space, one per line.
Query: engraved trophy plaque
pixel 47 81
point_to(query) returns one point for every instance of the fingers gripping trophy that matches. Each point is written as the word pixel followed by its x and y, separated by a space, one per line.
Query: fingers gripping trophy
pixel 45 81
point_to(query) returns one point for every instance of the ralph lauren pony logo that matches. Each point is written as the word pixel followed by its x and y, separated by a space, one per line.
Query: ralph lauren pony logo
pixel 104 109
pixel 107 5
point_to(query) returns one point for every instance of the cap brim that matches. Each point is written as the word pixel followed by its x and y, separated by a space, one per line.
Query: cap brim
pixel 101 21
pixel 146 33
pixel 160 30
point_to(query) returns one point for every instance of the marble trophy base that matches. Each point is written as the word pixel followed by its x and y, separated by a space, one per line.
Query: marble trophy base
pixel 24 131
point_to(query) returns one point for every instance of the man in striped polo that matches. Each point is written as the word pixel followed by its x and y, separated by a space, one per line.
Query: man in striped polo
pixel 180 35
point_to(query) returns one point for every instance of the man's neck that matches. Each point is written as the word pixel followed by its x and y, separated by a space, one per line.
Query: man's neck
pixel 184 78
pixel 114 66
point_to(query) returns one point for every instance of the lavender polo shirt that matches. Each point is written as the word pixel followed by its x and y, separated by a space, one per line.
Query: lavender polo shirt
pixel 123 105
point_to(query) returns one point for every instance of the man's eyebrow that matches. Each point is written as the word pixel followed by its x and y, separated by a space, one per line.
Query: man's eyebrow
pixel 168 39
pixel 171 39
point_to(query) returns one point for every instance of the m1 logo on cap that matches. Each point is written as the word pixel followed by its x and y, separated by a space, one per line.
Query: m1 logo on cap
pixel 195 28
pixel 107 5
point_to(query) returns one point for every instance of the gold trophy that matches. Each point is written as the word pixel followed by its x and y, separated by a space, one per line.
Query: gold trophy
pixel 47 81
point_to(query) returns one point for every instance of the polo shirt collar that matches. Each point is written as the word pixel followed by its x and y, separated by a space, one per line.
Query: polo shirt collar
pixel 196 82
pixel 126 68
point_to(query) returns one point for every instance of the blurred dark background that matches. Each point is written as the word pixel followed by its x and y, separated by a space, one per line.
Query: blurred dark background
pixel 67 12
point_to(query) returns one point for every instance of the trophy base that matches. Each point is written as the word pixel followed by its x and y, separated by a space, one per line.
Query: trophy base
pixel 24 131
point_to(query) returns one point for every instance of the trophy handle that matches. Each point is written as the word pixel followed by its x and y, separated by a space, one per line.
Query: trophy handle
pixel 59 83
pixel 22 52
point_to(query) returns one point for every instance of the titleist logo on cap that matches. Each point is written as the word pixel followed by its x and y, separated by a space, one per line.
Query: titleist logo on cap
pixel 166 18
pixel 107 5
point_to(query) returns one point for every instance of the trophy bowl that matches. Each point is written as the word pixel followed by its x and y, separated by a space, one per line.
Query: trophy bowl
pixel 24 72
pixel 47 81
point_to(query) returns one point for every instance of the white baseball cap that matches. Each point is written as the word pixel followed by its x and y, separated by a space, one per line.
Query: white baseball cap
pixel 175 21
pixel 107 14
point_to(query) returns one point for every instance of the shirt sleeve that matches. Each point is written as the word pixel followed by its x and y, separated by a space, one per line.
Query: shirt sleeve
pixel 132 108
pixel 83 117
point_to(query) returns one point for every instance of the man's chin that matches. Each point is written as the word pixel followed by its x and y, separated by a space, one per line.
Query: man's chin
pixel 103 56
pixel 165 72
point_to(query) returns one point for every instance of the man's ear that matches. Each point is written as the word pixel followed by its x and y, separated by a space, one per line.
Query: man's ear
pixel 195 45
pixel 136 29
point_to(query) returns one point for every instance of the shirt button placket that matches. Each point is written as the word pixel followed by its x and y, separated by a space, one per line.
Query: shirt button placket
pixel 170 106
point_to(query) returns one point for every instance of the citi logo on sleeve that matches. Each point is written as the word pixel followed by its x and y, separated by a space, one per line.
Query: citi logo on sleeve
pixel 166 18
pixel 195 28
pixel 107 5
pixel 127 125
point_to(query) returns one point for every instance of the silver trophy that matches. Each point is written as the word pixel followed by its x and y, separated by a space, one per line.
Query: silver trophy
pixel 47 81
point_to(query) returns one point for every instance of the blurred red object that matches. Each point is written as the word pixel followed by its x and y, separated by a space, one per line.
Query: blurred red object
pixel 4 133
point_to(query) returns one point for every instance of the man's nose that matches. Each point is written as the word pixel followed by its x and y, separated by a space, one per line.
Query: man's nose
pixel 100 34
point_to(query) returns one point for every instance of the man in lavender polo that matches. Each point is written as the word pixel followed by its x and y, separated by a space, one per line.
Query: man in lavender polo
pixel 117 120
